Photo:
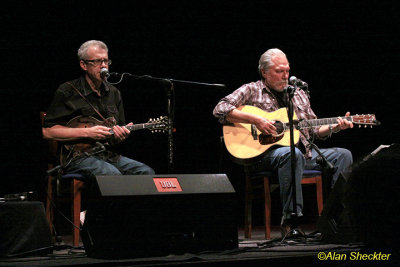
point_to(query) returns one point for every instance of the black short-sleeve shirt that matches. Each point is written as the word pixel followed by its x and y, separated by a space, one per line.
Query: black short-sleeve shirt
pixel 67 103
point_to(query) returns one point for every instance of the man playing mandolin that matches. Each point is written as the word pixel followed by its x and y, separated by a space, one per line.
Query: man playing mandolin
pixel 76 108
pixel 268 94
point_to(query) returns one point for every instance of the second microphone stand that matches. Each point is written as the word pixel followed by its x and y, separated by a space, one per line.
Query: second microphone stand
pixel 169 83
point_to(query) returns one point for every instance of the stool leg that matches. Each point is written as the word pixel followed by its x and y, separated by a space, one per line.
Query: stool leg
pixel 267 206
pixel 76 210
pixel 49 199
pixel 320 199
pixel 248 208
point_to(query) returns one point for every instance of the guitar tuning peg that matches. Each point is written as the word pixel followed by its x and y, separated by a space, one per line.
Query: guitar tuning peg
pixel 359 126
pixel 370 126
pixel 365 126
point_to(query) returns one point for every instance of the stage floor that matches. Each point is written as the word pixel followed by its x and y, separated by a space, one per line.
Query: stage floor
pixel 251 252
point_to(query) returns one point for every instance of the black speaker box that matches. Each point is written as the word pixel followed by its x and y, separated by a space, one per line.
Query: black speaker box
pixel 134 216
pixel 337 223
pixel 24 230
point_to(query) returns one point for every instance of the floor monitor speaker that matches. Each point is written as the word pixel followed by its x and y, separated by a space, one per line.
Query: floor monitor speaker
pixel 360 200
pixel 153 215
pixel 24 229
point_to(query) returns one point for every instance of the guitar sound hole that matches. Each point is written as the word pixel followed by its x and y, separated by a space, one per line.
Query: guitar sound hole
pixel 279 127
pixel 269 139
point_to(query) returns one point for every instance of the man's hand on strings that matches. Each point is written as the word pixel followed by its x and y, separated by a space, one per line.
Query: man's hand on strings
pixel 342 124
pixel 98 132
pixel 266 126
pixel 121 133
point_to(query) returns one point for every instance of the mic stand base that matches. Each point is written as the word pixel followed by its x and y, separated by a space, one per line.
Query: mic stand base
pixel 290 230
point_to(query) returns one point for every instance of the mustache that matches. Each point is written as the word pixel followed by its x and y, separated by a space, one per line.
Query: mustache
pixel 286 82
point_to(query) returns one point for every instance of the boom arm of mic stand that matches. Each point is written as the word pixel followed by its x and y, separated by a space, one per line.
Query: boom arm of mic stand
pixel 168 80
pixel 326 163
pixel 305 89
pixel 328 168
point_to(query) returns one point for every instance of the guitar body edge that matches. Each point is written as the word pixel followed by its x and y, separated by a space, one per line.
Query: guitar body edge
pixel 239 140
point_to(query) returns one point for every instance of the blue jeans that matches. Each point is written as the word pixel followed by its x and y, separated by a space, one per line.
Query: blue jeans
pixel 92 166
pixel 279 160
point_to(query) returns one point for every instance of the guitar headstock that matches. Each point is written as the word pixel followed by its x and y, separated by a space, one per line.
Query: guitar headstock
pixel 366 120
pixel 158 125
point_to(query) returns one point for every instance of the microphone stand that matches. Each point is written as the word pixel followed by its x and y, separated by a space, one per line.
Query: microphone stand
pixel 170 106
pixel 171 112
pixel 294 218
pixel 327 168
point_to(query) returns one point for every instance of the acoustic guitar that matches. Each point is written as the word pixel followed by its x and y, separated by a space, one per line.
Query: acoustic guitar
pixel 247 144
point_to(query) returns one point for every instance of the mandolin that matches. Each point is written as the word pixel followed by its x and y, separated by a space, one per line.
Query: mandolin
pixel 82 145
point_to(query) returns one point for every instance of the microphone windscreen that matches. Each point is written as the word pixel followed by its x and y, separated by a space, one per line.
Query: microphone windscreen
pixel 104 73
pixel 292 80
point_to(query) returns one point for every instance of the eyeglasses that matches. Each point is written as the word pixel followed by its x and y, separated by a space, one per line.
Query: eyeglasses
pixel 97 62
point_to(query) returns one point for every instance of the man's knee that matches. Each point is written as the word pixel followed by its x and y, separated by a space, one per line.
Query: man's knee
pixel 298 154
pixel 107 169
pixel 345 155
pixel 146 170
pixel 140 169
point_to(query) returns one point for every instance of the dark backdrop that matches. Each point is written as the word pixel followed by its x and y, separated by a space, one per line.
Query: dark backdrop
pixel 346 52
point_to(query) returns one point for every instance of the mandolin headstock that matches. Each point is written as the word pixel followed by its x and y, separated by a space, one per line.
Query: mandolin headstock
pixel 158 125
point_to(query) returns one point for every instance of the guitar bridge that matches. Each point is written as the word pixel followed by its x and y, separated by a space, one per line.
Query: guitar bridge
pixel 254 132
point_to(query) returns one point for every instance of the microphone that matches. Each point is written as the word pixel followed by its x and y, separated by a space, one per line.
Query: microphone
pixel 294 81
pixel 302 85
pixel 289 89
pixel 104 73
pixel 219 85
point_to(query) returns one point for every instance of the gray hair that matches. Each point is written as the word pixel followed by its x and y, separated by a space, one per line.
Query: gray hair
pixel 82 51
pixel 265 61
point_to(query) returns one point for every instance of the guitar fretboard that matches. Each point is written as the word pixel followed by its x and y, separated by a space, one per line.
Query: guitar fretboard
pixel 319 122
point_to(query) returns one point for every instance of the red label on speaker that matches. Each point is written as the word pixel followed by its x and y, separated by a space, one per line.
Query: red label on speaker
pixel 167 184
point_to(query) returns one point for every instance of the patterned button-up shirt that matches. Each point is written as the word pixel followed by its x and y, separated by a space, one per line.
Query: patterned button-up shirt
pixel 258 95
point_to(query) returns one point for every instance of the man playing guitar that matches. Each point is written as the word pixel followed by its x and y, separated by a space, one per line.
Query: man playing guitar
pixel 268 95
